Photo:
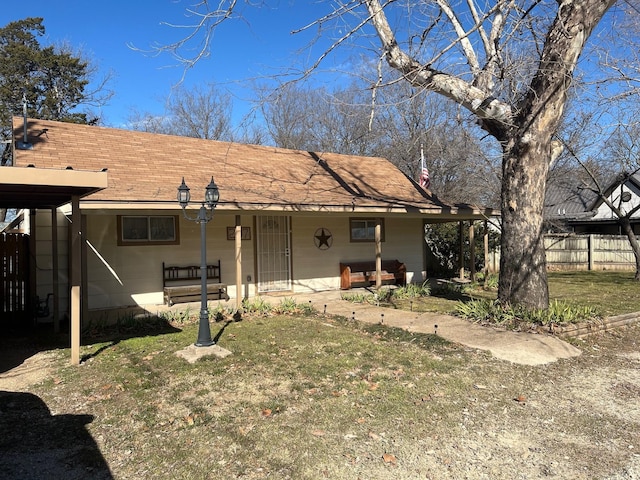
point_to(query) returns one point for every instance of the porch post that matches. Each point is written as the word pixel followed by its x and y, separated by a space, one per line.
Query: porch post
pixel 238 239
pixel 76 269
pixel 461 235
pixel 472 252
pixel 486 252
pixel 378 239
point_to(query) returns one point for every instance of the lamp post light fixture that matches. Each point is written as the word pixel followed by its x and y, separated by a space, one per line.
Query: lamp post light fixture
pixel 205 215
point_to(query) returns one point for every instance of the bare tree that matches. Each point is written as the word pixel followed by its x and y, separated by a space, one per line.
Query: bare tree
pixel 616 203
pixel 197 112
pixel 461 170
pixel 518 103
pixel 524 124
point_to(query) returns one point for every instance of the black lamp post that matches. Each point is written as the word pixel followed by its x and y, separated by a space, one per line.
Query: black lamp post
pixel 205 214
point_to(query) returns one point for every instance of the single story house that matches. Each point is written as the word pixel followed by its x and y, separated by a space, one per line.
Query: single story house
pixel 572 207
pixel 105 215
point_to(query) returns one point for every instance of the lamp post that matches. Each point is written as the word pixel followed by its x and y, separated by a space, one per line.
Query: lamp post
pixel 205 214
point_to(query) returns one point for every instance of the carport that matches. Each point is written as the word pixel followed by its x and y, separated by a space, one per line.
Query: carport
pixel 30 188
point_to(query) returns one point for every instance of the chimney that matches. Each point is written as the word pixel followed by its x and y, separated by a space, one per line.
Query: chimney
pixel 24 144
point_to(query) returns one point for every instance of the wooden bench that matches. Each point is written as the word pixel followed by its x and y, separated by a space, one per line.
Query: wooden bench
pixel 364 273
pixel 183 283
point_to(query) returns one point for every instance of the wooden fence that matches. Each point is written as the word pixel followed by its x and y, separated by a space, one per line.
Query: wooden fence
pixel 588 252
pixel 14 278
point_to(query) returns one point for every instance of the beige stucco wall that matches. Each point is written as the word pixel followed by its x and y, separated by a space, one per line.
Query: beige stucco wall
pixel 132 275
pixel 315 269
pixel 44 258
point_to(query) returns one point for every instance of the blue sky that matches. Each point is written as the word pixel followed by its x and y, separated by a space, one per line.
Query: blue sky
pixel 105 30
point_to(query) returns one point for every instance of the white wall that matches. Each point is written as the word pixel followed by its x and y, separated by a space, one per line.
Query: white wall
pixel 604 212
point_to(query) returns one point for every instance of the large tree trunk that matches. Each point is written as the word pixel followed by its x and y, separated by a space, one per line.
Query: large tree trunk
pixel 524 129
pixel 523 273
pixel 635 246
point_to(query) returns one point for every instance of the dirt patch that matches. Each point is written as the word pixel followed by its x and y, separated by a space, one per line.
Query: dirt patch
pixel 34 369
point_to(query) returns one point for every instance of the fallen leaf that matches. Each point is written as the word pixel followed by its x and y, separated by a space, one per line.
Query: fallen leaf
pixel 319 433
pixel 190 420
pixel 57 380
pixel 374 436
pixel 360 420
pixel 520 399
pixel 389 458
pixel 266 412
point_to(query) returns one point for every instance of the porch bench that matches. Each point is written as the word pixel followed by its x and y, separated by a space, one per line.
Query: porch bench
pixel 364 273
pixel 182 284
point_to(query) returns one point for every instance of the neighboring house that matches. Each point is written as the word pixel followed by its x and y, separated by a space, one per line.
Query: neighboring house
pixel 574 208
pixel 300 213
pixel 583 232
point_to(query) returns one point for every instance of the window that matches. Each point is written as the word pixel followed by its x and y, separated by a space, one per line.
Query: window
pixel 147 230
pixel 364 229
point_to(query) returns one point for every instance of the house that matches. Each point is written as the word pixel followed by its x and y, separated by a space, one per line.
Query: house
pixel 582 230
pixel 575 208
pixel 106 215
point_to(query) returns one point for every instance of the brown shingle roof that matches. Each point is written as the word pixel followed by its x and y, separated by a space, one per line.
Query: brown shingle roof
pixel 145 167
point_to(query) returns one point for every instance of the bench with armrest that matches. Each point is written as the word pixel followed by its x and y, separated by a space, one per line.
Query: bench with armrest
pixel 183 283
pixel 364 273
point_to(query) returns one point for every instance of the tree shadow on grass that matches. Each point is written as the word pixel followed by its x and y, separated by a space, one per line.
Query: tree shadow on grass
pixel 36 444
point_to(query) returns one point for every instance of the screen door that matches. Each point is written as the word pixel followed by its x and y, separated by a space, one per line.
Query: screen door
pixel 274 256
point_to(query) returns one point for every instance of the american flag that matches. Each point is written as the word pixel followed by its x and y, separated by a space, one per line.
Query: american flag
pixel 425 181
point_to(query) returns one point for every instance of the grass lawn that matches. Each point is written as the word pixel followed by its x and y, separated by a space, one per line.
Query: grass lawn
pixel 311 397
pixel 611 293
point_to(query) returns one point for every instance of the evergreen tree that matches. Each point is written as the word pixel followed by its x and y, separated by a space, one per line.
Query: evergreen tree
pixel 52 79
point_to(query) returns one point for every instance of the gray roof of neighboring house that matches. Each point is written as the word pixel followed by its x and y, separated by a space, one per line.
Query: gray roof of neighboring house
pixel 568 201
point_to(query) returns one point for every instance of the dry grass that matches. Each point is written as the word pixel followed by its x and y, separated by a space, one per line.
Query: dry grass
pixel 310 397
pixel 315 397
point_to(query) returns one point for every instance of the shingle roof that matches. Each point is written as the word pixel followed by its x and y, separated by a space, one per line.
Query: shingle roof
pixel 145 167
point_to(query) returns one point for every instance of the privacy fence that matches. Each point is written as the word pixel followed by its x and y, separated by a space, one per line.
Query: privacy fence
pixel 14 276
pixel 589 252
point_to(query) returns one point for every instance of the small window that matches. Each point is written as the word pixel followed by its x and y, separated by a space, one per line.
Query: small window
pixel 364 229
pixel 147 230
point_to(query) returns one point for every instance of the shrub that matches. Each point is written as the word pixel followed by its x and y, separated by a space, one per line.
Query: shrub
pixel 491 311
pixel 257 305
pixel 412 290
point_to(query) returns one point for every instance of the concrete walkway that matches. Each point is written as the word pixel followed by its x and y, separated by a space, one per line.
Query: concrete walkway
pixel 516 347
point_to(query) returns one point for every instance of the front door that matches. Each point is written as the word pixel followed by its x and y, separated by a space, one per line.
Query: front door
pixel 274 255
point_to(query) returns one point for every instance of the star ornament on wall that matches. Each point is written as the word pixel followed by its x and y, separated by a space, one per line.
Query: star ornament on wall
pixel 323 238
